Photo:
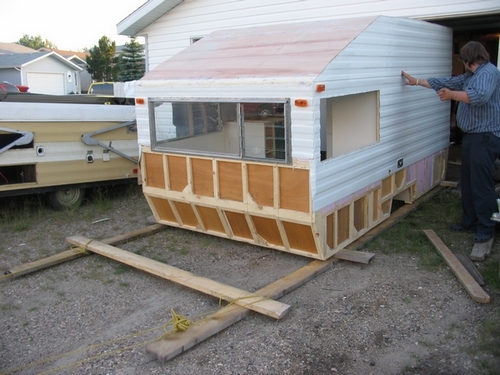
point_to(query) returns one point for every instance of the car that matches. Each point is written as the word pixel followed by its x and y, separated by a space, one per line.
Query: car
pixel 102 88
pixel 8 87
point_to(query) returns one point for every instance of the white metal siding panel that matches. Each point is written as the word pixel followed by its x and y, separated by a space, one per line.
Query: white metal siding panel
pixel 413 122
pixel 172 32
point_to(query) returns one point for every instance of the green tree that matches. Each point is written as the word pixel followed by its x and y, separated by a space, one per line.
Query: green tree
pixel 35 42
pixel 102 64
pixel 131 61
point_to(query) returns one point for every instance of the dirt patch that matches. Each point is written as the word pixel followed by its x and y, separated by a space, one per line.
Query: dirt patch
pixel 95 316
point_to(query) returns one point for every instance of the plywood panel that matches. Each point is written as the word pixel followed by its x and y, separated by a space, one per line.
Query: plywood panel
pixel 330 230
pixel 239 225
pixel 163 209
pixel 268 230
pixel 343 224
pixel 294 189
pixel 230 181
pixel 187 214
pixel 203 181
pixel 260 184
pixel 210 218
pixel 177 172
pixel 360 214
pixel 154 170
pixel 300 237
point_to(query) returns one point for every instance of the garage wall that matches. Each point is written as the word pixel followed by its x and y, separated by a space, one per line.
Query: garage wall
pixel 50 76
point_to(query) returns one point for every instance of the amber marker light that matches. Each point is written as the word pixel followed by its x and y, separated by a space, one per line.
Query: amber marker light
pixel 140 101
pixel 300 103
pixel 320 88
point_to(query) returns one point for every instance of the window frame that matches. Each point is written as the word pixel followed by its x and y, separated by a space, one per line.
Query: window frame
pixel 157 147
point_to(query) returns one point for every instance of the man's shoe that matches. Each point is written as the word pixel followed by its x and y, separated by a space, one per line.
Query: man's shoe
pixel 482 237
pixel 460 228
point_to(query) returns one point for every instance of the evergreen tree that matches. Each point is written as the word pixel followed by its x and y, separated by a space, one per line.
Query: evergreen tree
pixel 102 64
pixel 35 42
pixel 132 62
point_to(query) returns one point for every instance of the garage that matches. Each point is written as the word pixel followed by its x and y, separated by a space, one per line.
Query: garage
pixel 46 83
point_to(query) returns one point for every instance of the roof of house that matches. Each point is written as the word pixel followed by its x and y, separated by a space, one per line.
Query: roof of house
pixel 284 50
pixel 145 15
pixel 14 48
pixel 67 54
pixel 16 60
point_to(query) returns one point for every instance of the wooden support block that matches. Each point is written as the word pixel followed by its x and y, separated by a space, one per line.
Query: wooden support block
pixel 481 250
pixel 472 287
pixel 449 184
pixel 71 254
pixel 178 342
pixel 354 256
pixel 240 297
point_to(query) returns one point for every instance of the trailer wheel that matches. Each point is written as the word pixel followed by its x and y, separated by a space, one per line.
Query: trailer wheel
pixel 66 199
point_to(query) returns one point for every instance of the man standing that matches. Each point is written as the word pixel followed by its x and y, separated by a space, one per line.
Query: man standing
pixel 478 116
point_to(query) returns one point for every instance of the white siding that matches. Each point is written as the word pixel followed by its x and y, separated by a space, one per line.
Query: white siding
pixel 414 123
pixel 195 18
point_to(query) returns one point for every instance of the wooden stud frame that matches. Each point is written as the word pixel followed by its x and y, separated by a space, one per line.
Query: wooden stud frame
pixel 270 204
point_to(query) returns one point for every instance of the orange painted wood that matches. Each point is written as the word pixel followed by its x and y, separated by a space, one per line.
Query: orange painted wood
pixel 163 209
pixel 330 231
pixel 203 180
pixel 154 167
pixel 177 172
pixel 260 184
pixel 343 224
pixel 294 189
pixel 268 230
pixel 187 214
pixel 210 219
pixel 230 181
pixel 238 224
pixel 300 237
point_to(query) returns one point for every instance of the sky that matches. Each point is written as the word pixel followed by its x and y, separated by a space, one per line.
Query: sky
pixel 69 24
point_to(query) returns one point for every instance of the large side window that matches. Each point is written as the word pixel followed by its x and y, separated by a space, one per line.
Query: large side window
pixel 247 130
pixel 349 123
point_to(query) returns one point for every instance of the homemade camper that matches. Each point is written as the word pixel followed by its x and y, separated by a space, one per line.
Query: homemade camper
pixel 297 137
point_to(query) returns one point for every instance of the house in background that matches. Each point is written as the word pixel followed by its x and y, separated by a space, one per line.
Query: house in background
pixel 43 72
pixel 77 58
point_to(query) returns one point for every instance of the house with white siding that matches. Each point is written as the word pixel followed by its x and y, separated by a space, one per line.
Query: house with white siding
pixel 169 26
pixel 295 136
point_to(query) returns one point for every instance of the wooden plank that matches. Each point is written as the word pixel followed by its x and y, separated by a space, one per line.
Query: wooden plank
pixel 472 287
pixel 393 219
pixel 354 256
pixel 449 184
pixel 70 254
pixel 39 264
pixel 481 250
pixel 177 343
pixel 469 266
pixel 240 297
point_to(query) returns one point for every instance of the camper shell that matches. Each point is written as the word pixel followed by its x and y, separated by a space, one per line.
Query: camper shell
pixel 296 137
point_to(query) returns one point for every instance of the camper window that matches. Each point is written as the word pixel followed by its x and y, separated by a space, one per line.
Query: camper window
pixel 349 123
pixel 250 130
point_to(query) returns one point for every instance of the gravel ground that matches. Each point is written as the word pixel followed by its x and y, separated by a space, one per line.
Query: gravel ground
pixel 95 316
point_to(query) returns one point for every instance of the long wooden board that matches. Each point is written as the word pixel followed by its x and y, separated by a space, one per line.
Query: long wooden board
pixel 240 297
pixel 70 254
pixel 472 287
pixel 177 343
